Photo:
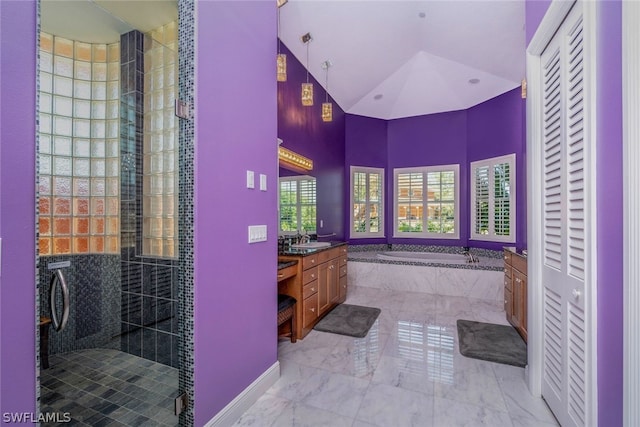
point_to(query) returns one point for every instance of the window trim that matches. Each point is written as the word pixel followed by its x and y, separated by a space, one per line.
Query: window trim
pixel 298 210
pixel 455 168
pixel 353 234
pixel 491 162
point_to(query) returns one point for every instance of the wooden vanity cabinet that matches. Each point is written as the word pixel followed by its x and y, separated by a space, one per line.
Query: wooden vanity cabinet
pixel 321 283
pixel 515 291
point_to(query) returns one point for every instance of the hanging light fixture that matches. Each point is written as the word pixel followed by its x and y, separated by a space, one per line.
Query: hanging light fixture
pixel 281 58
pixel 307 88
pixel 327 107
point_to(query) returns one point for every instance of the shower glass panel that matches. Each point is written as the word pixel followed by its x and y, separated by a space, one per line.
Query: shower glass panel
pixel 107 215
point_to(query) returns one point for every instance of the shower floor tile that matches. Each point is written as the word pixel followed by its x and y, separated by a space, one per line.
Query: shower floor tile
pixel 103 387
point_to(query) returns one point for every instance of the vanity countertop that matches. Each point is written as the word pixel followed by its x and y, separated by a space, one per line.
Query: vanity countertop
pixel 518 251
pixel 309 251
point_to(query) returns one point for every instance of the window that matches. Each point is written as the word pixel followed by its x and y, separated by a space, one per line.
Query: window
pixel 426 202
pixel 297 204
pixel 493 185
pixel 367 202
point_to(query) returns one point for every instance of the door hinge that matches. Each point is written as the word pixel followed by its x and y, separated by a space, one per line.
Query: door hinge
pixel 181 403
pixel 183 109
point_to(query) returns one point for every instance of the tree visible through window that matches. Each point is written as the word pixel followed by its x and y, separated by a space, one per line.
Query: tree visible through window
pixel 298 204
pixel 367 202
pixel 426 202
pixel 493 199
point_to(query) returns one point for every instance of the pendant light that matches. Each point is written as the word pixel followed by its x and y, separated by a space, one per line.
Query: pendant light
pixel 327 107
pixel 281 58
pixel 307 88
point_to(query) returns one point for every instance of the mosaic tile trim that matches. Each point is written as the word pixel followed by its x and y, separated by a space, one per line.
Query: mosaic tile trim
pixel 488 253
pixel 186 76
pixel 37 216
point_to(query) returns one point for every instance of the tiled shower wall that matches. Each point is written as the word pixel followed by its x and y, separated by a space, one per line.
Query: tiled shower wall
pixel 149 315
pixel 94 291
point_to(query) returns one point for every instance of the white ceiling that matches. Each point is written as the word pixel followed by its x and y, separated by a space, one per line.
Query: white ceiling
pixel 419 64
pixel 102 21
pixel 388 61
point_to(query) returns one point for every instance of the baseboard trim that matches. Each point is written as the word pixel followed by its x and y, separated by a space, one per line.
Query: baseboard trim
pixel 242 402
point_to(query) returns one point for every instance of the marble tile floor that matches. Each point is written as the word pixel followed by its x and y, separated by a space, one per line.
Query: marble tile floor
pixel 406 372
pixel 102 387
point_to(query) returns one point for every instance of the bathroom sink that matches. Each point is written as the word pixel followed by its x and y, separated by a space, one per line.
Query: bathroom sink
pixel 311 245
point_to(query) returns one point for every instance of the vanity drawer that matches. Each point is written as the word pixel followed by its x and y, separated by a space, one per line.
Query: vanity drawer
pixel 309 289
pixel 343 271
pixel 342 250
pixel 342 262
pixel 519 263
pixel 309 261
pixel 309 275
pixel 310 310
pixel 507 257
pixel 507 284
pixel 287 272
pixel 325 256
pixel 507 271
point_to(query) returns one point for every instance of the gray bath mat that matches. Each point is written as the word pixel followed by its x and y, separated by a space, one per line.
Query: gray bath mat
pixel 347 319
pixel 495 343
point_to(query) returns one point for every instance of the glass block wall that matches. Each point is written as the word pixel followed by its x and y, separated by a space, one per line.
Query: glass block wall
pixel 79 147
pixel 160 161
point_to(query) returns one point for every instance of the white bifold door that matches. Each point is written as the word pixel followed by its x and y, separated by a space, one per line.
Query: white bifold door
pixel 565 218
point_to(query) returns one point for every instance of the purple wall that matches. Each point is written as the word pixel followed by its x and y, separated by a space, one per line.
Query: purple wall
pixel 303 131
pixel 367 146
pixel 490 129
pixel 17 206
pixel 434 139
pixel 235 283
pixel 495 128
pixel 610 223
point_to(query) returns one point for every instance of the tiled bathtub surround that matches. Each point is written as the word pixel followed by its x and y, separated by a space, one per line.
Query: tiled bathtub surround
pixel 464 280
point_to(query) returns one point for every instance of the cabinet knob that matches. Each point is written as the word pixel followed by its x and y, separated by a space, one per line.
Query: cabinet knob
pixel 518 280
pixel 313 289
pixel 313 261
pixel 505 271
pixel 344 286
pixel 313 309
pixel 576 293
pixel 313 275
pixel 505 301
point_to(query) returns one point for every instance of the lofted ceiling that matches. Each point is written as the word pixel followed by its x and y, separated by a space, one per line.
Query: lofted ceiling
pixel 390 59
pixel 393 59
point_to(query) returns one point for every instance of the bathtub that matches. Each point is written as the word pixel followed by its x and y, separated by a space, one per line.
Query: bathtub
pixel 425 257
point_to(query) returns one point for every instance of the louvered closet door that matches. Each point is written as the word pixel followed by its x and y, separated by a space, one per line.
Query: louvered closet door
pixel 563 272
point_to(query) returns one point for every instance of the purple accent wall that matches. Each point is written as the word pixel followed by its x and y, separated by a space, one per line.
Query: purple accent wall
pixel 235 283
pixel 17 206
pixel 434 139
pixel 367 146
pixel 610 221
pixel 534 12
pixel 303 131
pixel 495 128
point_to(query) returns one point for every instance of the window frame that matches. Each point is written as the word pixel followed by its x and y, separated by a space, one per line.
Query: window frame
pixel 298 204
pixel 353 234
pixel 425 170
pixel 491 163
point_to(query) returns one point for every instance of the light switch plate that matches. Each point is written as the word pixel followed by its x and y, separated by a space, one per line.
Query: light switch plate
pixel 257 233
pixel 263 182
pixel 251 180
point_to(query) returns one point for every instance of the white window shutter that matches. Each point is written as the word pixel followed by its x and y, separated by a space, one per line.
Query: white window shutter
pixel 552 163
